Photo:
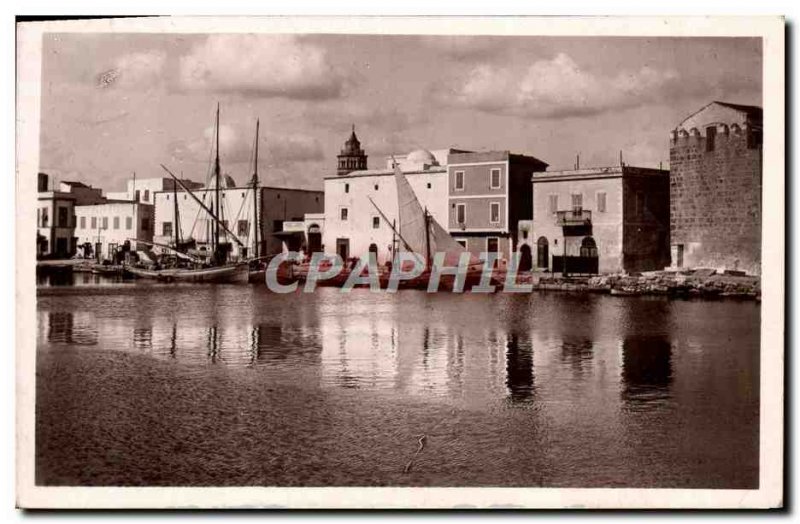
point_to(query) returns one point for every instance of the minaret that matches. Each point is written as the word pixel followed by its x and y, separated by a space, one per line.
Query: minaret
pixel 352 157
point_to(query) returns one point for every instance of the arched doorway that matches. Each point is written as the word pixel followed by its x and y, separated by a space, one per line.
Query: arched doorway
pixel 588 261
pixel 314 239
pixel 588 247
pixel 542 253
pixel 525 258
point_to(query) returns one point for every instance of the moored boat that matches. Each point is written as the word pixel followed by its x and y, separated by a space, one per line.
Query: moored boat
pixel 229 273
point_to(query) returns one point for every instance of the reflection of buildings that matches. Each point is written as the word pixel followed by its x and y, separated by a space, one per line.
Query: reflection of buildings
pixel 519 367
pixel 646 367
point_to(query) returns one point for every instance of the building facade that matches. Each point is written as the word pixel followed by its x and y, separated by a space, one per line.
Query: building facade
pixel 715 188
pixel 605 220
pixel 238 211
pixel 103 229
pixel 55 224
pixel 487 195
pixel 353 226
pixel 144 189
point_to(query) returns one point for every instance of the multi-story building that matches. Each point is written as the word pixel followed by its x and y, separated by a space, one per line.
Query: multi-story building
pixel 273 206
pixel 353 226
pixel 55 222
pixel 715 188
pixel 104 228
pixel 488 194
pixel 606 220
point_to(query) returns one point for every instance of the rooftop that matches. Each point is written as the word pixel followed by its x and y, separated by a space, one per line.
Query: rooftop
pixel 598 172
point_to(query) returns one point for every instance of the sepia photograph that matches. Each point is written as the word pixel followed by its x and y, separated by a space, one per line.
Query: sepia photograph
pixel 389 256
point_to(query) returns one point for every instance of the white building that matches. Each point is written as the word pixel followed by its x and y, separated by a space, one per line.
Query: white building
pixel 144 189
pixel 55 224
pixel 237 210
pixel 352 224
pixel 102 229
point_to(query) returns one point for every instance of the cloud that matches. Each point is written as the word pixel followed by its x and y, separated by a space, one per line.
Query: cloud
pixel 134 70
pixel 560 88
pixel 263 65
pixel 236 147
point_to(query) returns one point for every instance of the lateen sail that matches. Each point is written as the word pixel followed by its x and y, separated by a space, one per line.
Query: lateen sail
pixel 412 226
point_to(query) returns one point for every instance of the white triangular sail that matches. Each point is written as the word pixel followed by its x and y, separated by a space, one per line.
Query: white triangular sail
pixel 413 224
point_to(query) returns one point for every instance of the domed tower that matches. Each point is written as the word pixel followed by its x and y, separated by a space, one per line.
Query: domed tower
pixel 352 157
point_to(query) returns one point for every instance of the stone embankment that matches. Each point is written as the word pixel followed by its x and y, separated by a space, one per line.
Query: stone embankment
pixel 700 283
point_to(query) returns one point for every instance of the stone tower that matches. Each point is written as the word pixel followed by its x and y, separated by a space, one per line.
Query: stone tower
pixel 352 157
pixel 715 188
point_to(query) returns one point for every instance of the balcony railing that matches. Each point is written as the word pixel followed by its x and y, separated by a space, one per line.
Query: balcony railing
pixel 575 217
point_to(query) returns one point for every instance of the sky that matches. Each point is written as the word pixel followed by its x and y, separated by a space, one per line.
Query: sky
pixel 115 104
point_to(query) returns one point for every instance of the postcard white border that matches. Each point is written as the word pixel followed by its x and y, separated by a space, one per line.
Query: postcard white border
pixel 770 492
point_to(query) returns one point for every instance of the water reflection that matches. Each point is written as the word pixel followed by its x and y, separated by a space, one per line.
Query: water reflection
pixel 552 348
pixel 646 368
pixel 519 367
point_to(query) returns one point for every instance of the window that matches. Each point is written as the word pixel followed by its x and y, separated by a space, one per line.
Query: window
pixel 552 204
pixel 83 222
pixel 243 228
pixel 494 179
pixel 116 222
pixel 94 222
pixel 242 195
pixel 63 217
pixel 461 213
pixel 459 182
pixel 45 217
pixel 577 202
pixel 128 223
pixel 376 187
pixel 166 229
pixel 711 134
pixel 601 202
pixel 462 241
pixel 343 213
pixel 147 195
pixel 347 188
pixel 105 222
pixel 429 185
pixel 167 196
pixel 492 245
pixel 494 212
pixel 376 222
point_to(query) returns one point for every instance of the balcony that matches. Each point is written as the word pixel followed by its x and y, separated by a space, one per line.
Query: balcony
pixel 575 217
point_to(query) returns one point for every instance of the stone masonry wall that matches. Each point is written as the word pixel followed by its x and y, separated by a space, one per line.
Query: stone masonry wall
pixel 715 199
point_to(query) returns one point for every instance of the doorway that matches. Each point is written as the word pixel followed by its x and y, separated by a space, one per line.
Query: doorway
pixel 542 253
pixel 525 258
pixel 343 248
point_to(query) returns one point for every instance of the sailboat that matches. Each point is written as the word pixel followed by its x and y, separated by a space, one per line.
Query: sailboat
pixel 420 233
pixel 189 268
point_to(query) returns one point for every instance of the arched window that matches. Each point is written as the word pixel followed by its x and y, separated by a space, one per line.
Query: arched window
pixel 542 252
pixel 588 248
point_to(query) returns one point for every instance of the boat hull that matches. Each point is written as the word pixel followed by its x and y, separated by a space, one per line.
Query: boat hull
pixel 230 274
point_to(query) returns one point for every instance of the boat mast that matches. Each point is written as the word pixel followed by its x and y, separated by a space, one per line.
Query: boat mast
pixel 427 238
pixel 216 183
pixel 203 206
pixel 256 221
pixel 175 211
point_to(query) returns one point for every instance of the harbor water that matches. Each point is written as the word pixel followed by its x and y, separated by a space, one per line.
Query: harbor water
pixel 151 384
